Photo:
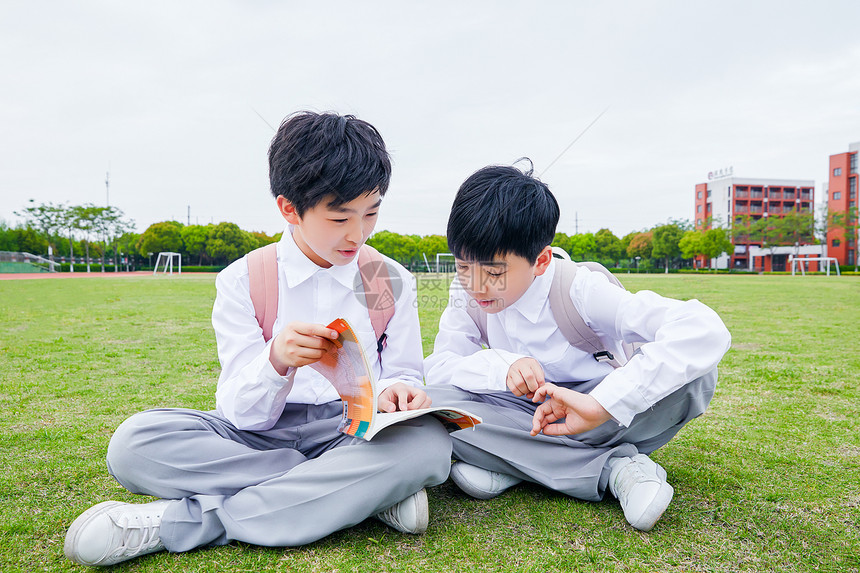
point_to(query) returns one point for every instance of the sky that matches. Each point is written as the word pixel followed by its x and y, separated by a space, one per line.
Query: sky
pixel 178 100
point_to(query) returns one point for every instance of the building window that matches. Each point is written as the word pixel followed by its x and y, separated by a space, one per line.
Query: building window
pixel 837 195
pixel 709 193
pixel 730 190
pixel 835 243
pixel 699 208
pixel 837 172
pixel 699 195
pixel 852 188
pixel 698 222
pixel 853 163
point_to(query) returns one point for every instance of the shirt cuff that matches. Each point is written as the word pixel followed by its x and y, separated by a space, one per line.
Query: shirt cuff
pixel 497 363
pixel 268 374
pixel 619 397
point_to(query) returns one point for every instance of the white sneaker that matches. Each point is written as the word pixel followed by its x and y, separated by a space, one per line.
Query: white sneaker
pixel 112 532
pixel 480 483
pixel 411 515
pixel 640 485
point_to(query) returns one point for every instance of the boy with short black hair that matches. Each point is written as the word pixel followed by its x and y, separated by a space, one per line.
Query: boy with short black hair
pixel 501 343
pixel 269 466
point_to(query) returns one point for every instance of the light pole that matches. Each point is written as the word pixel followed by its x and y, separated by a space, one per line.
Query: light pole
pixel 637 264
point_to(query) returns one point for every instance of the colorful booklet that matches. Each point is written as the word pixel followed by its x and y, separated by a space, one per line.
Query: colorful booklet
pixel 347 369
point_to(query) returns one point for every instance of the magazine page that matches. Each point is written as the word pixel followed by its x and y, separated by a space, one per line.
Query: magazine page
pixel 452 418
pixel 347 370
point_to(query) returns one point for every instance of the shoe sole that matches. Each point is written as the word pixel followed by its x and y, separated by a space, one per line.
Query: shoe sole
pixel 655 509
pixel 79 524
pixel 422 509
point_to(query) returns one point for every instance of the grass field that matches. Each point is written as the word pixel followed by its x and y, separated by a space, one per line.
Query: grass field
pixel 767 480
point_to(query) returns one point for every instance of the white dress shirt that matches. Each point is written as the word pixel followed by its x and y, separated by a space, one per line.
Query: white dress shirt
pixel 251 394
pixel 683 340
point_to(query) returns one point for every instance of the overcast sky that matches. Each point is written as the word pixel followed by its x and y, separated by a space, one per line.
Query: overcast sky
pixel 177 100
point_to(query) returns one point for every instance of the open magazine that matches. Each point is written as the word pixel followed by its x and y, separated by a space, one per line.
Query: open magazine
pixel 347 370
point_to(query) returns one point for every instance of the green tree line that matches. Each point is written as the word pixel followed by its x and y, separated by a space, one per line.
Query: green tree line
pixel 96 231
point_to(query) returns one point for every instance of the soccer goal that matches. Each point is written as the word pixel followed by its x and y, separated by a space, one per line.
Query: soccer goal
pixel 801 260
pixel 165 259
pixel 439 256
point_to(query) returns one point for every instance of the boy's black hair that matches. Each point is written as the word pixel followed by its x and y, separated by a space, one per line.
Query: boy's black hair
pixel 501 210
pixel 317 156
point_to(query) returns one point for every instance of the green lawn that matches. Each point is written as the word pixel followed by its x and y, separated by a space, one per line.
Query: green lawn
pixel 767 480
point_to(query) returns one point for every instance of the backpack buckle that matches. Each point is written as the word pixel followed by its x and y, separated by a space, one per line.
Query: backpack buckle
pixel 603 356
pixel 380 343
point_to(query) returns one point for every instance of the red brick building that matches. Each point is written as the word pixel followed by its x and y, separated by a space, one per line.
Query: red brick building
pixel 842 199
pixel 725 199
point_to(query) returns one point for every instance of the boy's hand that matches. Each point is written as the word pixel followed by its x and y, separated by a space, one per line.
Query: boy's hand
pixel 524 377
pixel 300 344
pixel 400 396
pixel 580 412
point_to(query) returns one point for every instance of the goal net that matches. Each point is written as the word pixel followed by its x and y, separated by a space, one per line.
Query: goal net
pixel 166 260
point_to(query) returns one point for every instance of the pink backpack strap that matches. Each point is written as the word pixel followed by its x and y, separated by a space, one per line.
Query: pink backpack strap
pixel 378 294
pixel 263 283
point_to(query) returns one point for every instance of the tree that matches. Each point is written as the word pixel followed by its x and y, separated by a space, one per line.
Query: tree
pixel 108 222
pixel 715 242
pixel 227 242
pixel 710 243
pixel 432 245
pixel 261 239
pixel 665 241
pixel 691 244
pixel 792 228
pixel 401 248
pixel 47 218
pixel 562 241
pixel 84 218
pixel 640 245
pixel 583 246
pixel 165 236
pixel 608 246
pixel 194 239
pixel 127 244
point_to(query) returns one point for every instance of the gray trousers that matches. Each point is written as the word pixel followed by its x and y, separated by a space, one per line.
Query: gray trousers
pixel 575 465
pixel 287 486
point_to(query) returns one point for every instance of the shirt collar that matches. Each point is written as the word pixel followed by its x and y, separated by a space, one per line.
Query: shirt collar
pixel 536 297
pixel 297 267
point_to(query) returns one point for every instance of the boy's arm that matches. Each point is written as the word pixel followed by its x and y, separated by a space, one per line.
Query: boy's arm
pixel 251 393
pixel 458 357
pixel 683 340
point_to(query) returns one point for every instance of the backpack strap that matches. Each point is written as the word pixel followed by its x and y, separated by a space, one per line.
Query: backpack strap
pixel 378 293
pixel 570 322
pixel 263 283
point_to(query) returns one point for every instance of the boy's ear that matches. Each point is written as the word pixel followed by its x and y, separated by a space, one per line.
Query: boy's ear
pixel 543 260
pixel 288 210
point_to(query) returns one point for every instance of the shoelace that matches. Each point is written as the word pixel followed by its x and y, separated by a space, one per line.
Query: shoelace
pixel 390 514
pixel 629 476
pixel 147 532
